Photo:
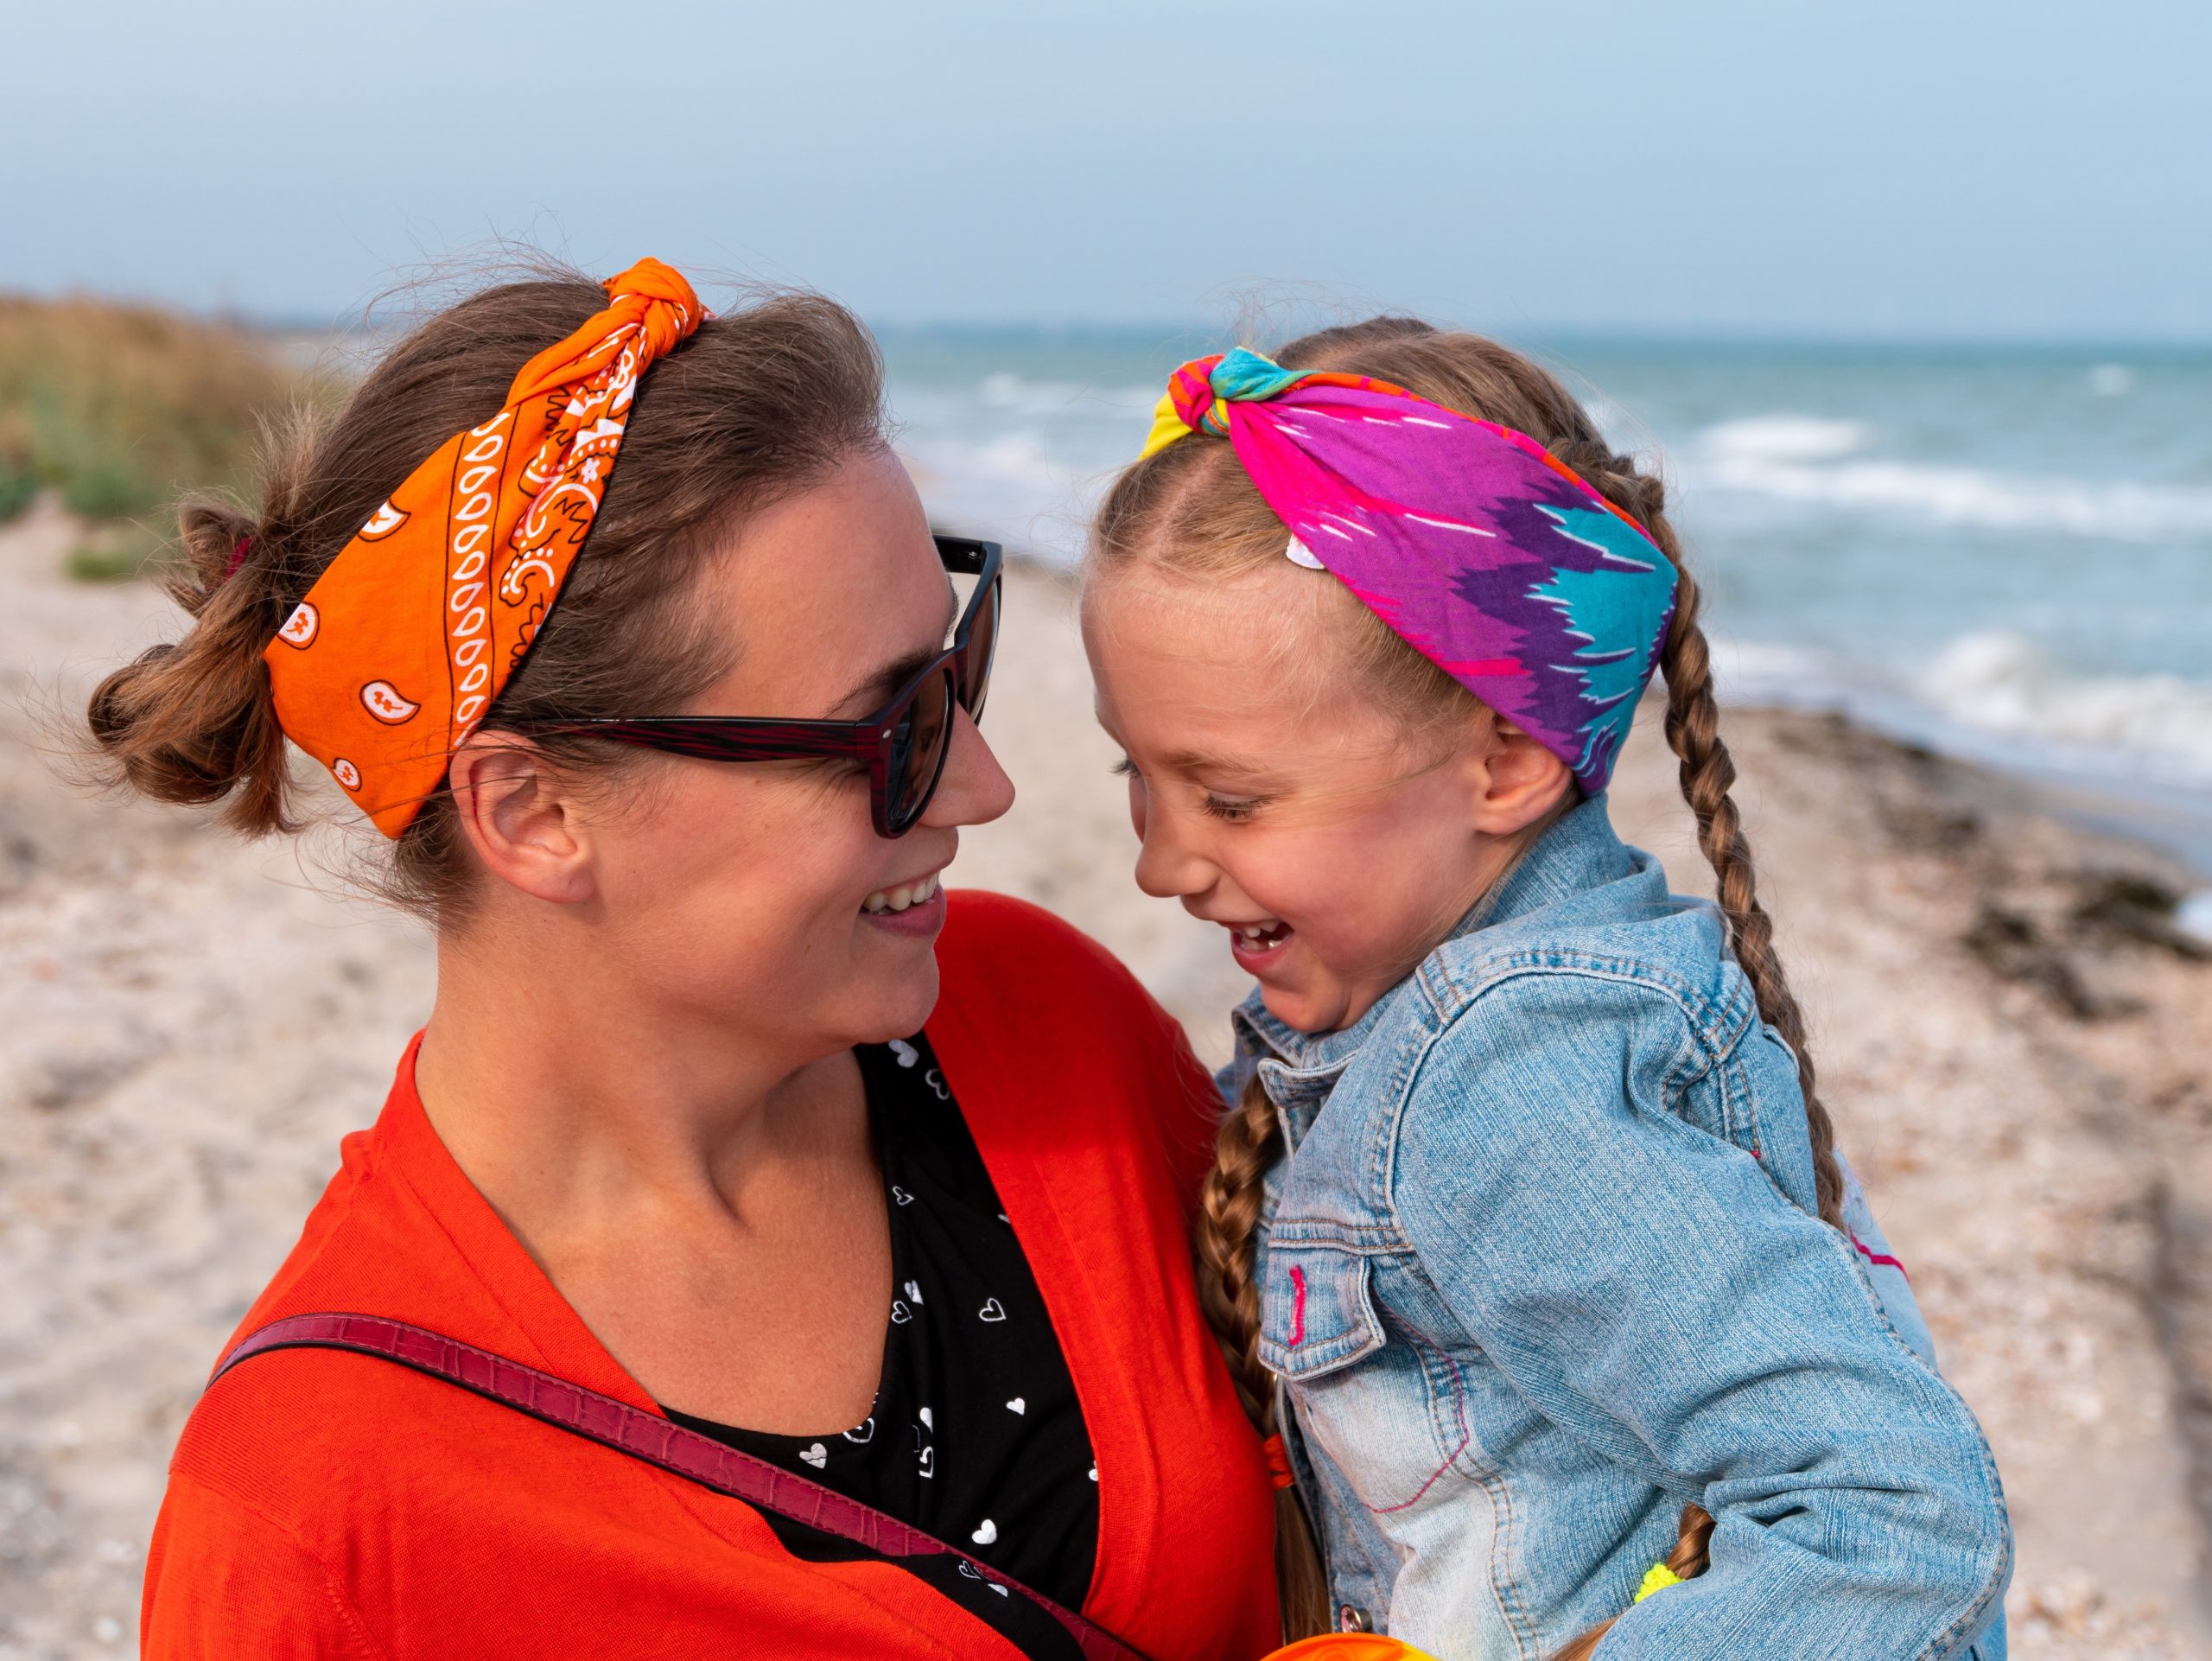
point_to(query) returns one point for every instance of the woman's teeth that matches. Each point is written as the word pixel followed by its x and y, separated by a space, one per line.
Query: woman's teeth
pixel 899 898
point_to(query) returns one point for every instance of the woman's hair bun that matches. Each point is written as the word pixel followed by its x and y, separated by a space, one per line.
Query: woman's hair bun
pixel 210 532
pixel 193 722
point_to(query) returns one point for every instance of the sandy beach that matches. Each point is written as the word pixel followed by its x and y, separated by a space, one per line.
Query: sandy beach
pixel 2013 1040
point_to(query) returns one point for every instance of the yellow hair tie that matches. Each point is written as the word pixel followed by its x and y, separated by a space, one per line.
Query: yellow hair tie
pixel 1657 1578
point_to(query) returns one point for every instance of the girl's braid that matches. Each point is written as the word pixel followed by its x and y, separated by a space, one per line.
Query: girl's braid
pixel 1230 1204
pixel 1685 1561
pixel 1708 773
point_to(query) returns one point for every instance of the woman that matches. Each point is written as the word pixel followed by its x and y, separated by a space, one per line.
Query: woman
pixel 726 1118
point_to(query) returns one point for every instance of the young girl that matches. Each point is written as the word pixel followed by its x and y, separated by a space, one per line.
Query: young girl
pixel 1526 1205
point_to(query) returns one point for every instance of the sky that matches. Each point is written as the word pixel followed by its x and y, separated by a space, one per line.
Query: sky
pixel 1942 169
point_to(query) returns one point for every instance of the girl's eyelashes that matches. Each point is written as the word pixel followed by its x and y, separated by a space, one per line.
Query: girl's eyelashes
pixel 1235 808
pixel 1232 809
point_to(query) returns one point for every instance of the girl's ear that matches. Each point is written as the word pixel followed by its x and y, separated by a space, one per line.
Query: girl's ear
pixel 1519 782
pixel 519 820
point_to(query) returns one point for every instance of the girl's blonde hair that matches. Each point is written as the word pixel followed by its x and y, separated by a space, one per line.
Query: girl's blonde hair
pixel 1190 510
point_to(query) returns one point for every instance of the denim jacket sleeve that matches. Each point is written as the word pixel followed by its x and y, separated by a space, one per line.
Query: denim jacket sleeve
pixel 1646 1284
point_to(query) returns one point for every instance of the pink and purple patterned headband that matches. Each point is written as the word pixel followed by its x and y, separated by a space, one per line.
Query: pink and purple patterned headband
pixel 1478 548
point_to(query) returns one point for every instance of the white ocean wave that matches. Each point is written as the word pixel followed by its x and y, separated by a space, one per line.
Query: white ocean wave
pixel 1769 438
pixel 1998 697
pixel 2001 682
pixel 1804 459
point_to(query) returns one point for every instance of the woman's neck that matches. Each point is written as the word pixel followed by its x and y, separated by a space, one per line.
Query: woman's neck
pixel 569 1099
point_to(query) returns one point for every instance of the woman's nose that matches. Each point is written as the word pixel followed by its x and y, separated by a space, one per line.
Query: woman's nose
pixel 974 789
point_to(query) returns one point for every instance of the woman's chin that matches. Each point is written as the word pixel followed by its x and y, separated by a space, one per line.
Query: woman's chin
pixel 898 1005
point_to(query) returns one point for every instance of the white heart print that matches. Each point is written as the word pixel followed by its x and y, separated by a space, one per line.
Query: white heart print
pixel 1019 1404
pixel 928 1461
pixel 907 1052
pixel 817 1455
pixel 993 1310
pixel 865 1434
pixel 985 1535
pixel 913 1292
pixel 901 1195
pixel 927 1420
pixel 900 1314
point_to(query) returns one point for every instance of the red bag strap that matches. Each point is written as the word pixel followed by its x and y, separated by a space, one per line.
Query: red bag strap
pixel 644 1436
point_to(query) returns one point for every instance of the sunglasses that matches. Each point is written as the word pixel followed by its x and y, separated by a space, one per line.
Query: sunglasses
pixel 905 743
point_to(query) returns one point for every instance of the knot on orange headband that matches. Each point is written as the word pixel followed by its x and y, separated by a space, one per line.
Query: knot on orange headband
pixel 408 636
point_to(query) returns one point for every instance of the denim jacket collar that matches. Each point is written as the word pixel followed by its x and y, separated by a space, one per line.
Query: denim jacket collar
pixel 1578 853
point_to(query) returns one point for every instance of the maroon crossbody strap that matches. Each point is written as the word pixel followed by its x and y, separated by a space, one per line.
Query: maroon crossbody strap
pixel 645 1436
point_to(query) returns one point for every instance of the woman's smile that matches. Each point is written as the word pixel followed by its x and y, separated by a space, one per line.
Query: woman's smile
pixel 915 910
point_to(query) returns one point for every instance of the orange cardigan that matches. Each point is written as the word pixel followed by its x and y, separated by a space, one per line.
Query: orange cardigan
pixel 333 1505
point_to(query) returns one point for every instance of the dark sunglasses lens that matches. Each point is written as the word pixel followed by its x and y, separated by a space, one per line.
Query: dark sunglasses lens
pixel 982 646
pixel 919 744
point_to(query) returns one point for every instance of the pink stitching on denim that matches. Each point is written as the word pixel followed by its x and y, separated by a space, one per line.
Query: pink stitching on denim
pixel 1882 1257
pixel 1458 1410
pixel 1297 1306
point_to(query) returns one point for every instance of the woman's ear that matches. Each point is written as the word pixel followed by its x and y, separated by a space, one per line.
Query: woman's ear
pixel 1520 782
pixel 519 820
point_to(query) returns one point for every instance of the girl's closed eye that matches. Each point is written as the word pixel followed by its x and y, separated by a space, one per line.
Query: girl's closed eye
pixel 1235 808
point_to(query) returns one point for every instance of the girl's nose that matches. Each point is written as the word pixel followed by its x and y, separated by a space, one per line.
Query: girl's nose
pixel 974 789
pixel 1168 868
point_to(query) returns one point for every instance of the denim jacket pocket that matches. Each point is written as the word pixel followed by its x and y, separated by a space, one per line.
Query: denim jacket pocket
pixel 1317 1312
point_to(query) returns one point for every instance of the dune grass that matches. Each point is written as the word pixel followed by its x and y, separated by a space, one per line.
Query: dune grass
pixel 119 409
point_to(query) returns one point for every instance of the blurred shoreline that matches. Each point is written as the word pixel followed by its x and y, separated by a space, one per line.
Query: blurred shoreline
pixel 2014 1045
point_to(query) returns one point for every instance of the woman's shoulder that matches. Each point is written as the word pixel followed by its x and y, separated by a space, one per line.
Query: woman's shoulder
pixel 1033 1009
pixel 1041 986
pixel 1021 948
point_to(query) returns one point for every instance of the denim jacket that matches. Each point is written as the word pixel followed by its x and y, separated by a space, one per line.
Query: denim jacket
pixel 1544 1264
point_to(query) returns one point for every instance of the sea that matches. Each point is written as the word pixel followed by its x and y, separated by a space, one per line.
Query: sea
pixel 2004 554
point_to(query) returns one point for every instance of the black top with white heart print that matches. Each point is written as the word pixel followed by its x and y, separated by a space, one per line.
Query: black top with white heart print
pixel 977 1437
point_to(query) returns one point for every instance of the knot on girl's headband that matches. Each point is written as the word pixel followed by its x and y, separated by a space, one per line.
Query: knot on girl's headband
pixel 1479 548
pixel 1196 392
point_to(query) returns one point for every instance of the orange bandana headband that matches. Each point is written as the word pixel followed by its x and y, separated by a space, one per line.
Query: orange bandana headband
pixel 392 660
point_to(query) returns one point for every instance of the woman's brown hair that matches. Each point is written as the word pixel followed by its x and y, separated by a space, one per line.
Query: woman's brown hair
pixel 1191 509
pixel 758 403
